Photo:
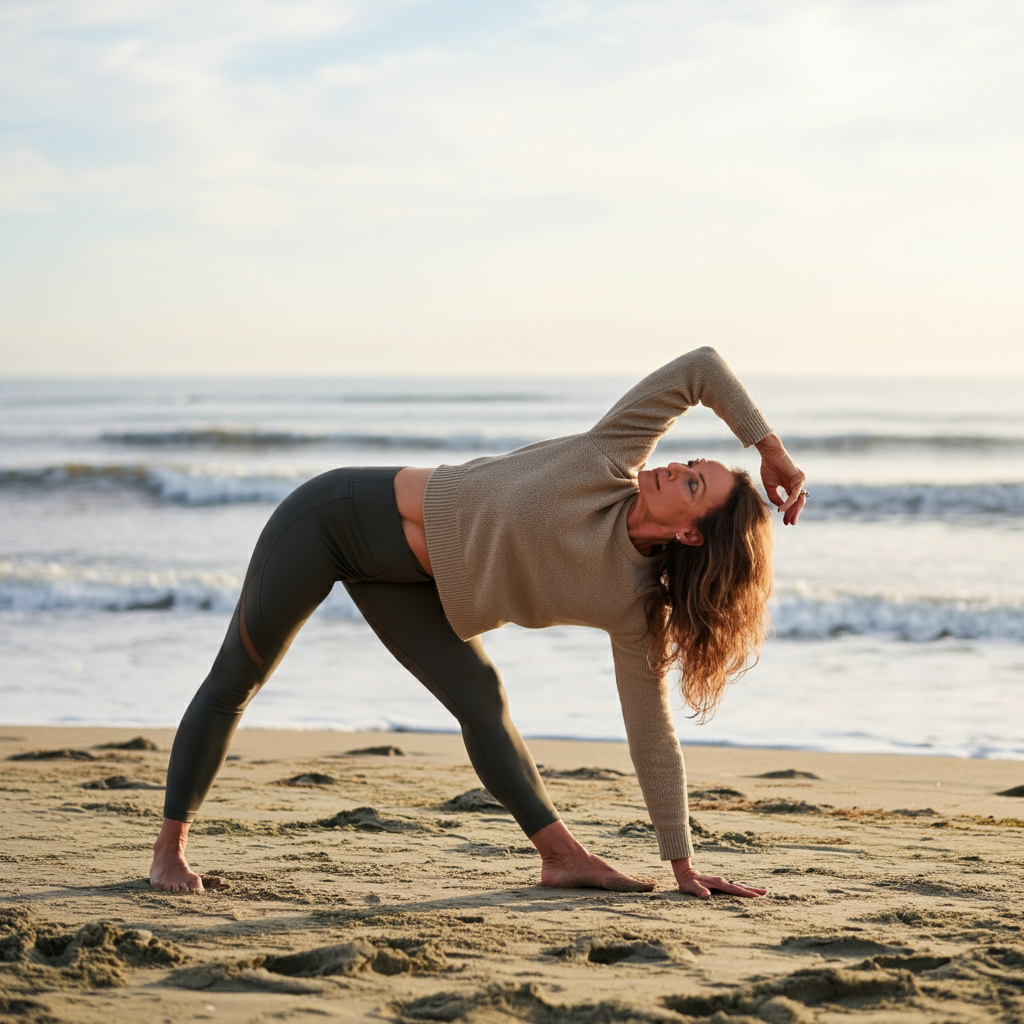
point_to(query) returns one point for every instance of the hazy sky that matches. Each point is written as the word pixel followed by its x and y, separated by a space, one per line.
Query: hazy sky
pixel 338 186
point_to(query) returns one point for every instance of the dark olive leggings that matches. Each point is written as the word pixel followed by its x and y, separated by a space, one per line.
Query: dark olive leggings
pixel 344 525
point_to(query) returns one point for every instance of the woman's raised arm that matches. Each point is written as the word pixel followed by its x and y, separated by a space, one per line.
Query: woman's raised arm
pixel 628 432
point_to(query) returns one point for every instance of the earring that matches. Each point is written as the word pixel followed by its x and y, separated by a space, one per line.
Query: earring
pixel 677 536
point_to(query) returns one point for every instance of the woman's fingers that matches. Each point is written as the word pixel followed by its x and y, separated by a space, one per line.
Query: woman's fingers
pixel 704 885
pixel 732 888
pixel 772 482
pixel 794 504
pixel 779 471
pixel 792 514
pixel 793 489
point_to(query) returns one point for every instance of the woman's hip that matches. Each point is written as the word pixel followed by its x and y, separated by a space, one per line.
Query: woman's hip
pixel 349 518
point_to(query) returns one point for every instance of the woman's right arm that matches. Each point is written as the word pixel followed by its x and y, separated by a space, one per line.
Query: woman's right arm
pixel 628 432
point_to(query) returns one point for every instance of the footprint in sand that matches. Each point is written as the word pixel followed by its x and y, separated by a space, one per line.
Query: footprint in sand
pixel 64 754
pixel 120 782
pixel 839 946
pixel 307 780
pixel 627 952
pixel 96 955
pixel 784 999
pixel 473 800
pixel 138 743
pixel 388 956
pixel 716 793
pixel 786 773
pixel 592 774
pixel 526 1002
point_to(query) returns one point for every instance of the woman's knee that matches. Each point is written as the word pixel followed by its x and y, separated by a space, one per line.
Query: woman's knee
pixel 483 699
pixel 233 681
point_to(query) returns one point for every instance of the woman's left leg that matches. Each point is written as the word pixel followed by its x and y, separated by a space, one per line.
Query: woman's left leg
pixel 409 619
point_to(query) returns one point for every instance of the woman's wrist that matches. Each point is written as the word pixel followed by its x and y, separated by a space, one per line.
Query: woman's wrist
pixel 682 867
pixel 769 445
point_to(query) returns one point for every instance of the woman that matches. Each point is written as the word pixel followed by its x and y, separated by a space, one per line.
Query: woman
pixel 673 563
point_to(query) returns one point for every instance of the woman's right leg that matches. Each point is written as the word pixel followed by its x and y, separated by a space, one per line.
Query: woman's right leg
pixel 291 571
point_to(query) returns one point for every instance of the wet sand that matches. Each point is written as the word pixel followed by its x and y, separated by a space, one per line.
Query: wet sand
pixel 360 888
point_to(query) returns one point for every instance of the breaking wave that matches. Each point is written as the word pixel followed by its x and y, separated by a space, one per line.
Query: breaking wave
pixel 220 486
pixel 923 500
pixel 27 586
pixel 822 614
pixel 228 438
pixel 863 443
pixel 217 437
pixel 178 486
pixel 797 613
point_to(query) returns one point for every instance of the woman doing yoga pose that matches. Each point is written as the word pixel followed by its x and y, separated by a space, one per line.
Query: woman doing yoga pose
pixel 674 563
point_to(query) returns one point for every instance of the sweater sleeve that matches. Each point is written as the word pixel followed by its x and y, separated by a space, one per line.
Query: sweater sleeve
pixel 628 432
pixel 654 748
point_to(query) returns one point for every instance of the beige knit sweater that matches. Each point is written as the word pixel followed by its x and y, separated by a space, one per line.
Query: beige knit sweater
pixel 538 537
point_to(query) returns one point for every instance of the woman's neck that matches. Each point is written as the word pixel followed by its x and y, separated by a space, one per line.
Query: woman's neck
pixel 645 535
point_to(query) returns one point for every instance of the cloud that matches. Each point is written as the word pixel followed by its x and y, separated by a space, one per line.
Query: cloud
pixel 256 114
pixel 405 168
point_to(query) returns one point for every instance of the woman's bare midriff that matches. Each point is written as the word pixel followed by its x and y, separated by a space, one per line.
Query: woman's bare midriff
pixel 410 489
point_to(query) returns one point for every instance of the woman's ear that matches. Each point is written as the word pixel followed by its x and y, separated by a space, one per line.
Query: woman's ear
pixel 690 536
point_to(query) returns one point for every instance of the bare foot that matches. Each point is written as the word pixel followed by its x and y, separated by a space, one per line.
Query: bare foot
pixel 170 871
pixel 565 864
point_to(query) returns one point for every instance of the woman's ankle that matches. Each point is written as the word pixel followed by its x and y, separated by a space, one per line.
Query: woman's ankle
pixel 555 840
pixel 173 835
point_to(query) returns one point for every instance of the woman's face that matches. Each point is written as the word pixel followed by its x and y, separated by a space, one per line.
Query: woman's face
pixel 677 495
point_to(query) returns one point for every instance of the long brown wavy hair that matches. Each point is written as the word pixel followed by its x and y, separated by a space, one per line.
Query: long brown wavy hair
pixel 707 612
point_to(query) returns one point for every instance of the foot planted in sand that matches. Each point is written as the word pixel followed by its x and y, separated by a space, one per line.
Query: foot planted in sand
pixel 565 864
pixel 169 871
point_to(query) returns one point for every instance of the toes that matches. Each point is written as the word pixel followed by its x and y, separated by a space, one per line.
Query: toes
pixel 624 884
pixel 215 882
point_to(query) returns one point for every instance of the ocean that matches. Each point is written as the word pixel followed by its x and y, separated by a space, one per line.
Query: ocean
pixel 128 509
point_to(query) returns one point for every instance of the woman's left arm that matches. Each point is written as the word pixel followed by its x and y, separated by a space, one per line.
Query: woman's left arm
pixel 660 771
pixel 779 470
pixel 690 880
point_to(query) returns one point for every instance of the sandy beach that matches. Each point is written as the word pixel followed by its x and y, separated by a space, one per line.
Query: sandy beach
pixel 379 886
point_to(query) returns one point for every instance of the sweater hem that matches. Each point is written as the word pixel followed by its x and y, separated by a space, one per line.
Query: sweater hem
pixel 444 545
pixel 751 428
pixel 674 844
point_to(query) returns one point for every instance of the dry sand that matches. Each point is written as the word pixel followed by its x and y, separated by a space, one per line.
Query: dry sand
pixel 894 889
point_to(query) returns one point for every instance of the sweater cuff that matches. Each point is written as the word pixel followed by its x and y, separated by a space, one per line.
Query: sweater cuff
pixel 674 844
pixel 751 428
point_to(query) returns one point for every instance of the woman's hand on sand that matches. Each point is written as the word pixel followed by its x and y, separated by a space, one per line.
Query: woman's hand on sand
pixel 779 470
pixel 692 881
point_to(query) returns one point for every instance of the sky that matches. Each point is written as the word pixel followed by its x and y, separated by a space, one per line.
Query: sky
pixel 455 186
